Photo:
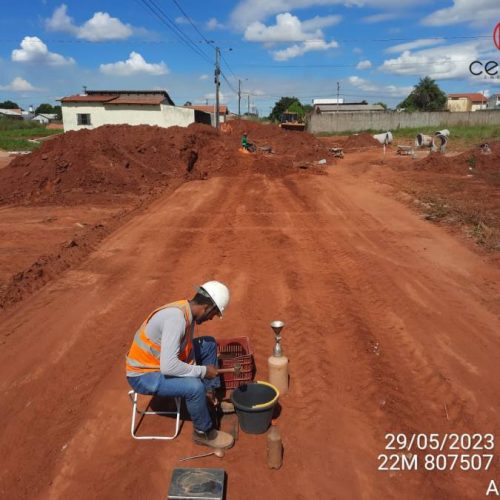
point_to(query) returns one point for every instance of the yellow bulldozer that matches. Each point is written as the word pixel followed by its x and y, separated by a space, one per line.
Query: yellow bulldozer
pixel 292 121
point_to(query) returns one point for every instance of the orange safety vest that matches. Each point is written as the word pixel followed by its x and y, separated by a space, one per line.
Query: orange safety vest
pixel 144 354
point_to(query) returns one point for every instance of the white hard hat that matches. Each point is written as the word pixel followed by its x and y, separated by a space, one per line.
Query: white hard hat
pixel 218 292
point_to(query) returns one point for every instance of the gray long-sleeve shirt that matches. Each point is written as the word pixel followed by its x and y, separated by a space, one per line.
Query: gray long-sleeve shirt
pixel 167 327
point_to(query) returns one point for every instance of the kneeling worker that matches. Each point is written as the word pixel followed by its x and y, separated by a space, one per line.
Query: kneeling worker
pixel 245 144
pixel 165 359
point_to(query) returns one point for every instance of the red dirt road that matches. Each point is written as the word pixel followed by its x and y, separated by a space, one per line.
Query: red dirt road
pixel 392 326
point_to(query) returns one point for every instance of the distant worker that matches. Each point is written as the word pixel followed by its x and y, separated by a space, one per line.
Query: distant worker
pixel 165 359
pixel 245 144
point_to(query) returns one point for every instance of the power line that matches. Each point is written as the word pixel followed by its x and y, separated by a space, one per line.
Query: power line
pixel 228 67
pixel 160 14
pixel 191 22
pixel 228 83
pixel 287 66
pixel 176 30
pixel 361 40
pixel 245 42
pixel 209 42
pixel 103 42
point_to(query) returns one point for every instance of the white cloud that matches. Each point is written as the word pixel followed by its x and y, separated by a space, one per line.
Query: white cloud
pixel 213 24
pixel 248 11
pixel 382 90
pixel 451 61
pixel 135 64
pixel 33 50
pixel 60 21
pixel 319 22
pixel 417 44
pixel 101 26
pixel 476 13
pixel 362 84
pixel 289 28
pixel 211 95
pixel 299 50
pixel 380 18
pixel 181 20
pixel 365 64
pixel 357 50
pixel 204 77
pixel 257 92
pixel 19 85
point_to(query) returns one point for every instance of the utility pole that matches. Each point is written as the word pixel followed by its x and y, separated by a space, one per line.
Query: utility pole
pixel 239 98
pixel 338 94
pixel 248 104
pixel 217 85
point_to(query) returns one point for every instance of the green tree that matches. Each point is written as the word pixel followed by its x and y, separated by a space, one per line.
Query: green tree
pixel 425 96
pixel 280 107
pixel 383 104
pixel 44 108
pixel 9 105
pixel 296 107
pixel 58 112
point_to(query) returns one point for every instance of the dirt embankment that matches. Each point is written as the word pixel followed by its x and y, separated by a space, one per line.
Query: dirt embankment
pixel 126 167
pixel 471 161
pixel 461 191
pixel 94 165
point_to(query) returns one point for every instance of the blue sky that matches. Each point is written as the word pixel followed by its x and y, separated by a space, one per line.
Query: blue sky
pixel 376 49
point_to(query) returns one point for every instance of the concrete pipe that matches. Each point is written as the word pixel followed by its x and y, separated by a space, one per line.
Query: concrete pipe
pixel 385 138
pixel 439 143
pixel 423 141
pixel 444 132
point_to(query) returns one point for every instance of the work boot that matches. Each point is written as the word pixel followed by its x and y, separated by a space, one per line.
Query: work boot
pixel 213 438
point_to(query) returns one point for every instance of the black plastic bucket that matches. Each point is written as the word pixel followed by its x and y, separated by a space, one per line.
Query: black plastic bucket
pixel 254 404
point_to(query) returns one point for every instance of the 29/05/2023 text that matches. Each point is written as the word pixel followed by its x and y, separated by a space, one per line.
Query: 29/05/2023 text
pixel 466 452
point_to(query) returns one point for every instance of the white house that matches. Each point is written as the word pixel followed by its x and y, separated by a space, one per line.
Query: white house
pixel 466 102
pixel 15 113
pixel 45 118
pixel 94 108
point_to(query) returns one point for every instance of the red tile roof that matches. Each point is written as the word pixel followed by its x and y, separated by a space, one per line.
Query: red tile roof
pixel 137 100
pixel 141 97
pixel 209 109
pixel 474 97
pixel 88 98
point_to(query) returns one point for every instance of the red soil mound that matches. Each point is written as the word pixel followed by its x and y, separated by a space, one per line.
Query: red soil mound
pixel 123 159
pixel 302 144
pixel 469 161
pixel 358 141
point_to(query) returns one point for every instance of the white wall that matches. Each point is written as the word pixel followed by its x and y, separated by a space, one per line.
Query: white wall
pixel 175 115
pixel 460 104
pixel 389 120
pixel 476 107
pixel 100 114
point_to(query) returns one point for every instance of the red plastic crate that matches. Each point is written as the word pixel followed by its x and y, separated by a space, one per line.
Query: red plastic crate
pixel 233 351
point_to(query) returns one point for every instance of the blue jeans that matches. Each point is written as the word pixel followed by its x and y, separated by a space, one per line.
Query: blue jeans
pixel 192 389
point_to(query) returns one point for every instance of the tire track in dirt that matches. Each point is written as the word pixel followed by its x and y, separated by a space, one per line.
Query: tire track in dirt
pixel 371 288
pixel 118 261
pixel 357 300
